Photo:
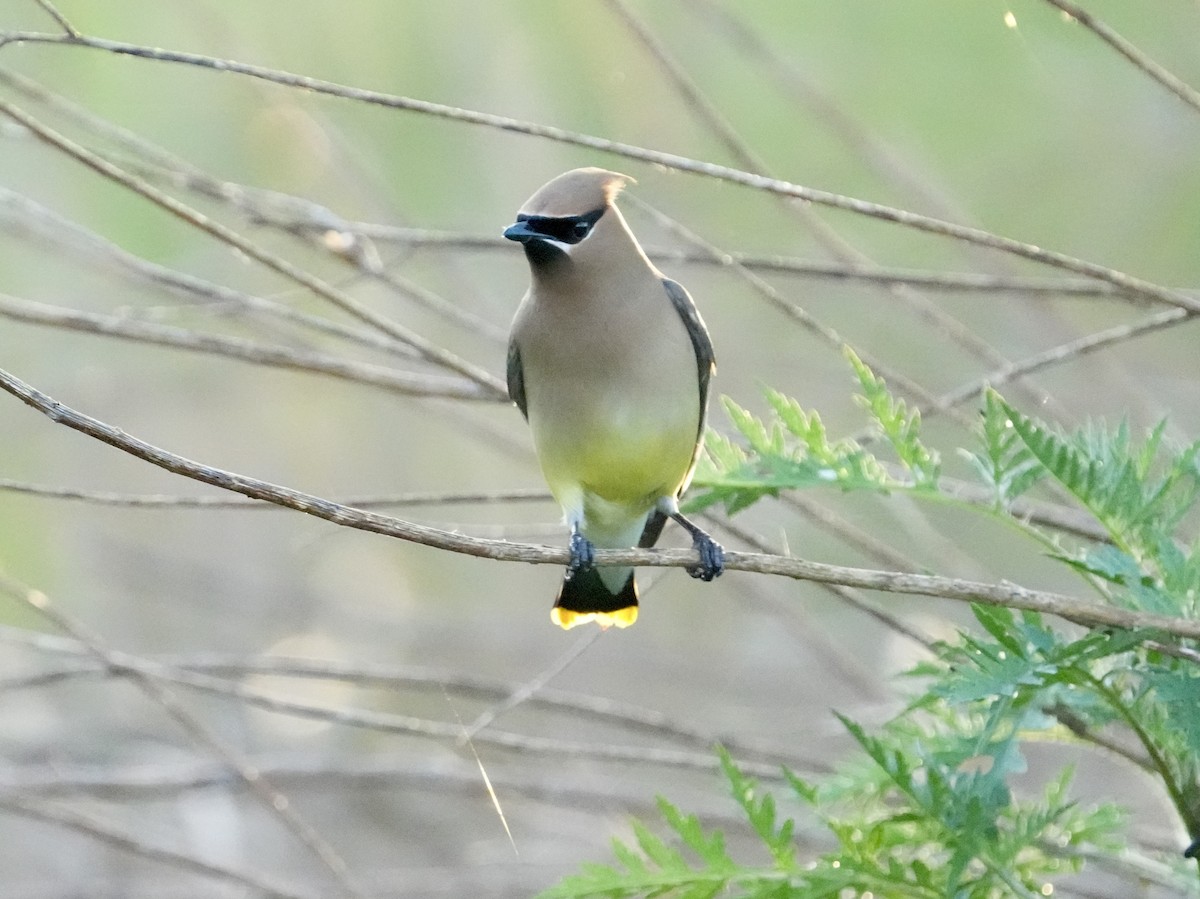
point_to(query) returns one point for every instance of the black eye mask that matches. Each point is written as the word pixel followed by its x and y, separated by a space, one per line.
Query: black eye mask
pixel 568 229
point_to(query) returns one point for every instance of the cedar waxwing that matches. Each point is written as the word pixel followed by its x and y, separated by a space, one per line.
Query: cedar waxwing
pixel 609 362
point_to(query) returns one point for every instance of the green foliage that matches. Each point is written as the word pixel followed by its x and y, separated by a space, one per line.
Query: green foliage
pixel 793 451
pixel 1139 497
pixel 926 819
pixel 1005 463
pixel 901 427
pixel 936 803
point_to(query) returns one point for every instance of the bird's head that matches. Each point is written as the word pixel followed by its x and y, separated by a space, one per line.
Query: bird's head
pixel 554 224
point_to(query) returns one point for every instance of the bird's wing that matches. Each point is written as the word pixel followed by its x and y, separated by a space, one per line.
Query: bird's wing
pixel 516 378
pixel 706 362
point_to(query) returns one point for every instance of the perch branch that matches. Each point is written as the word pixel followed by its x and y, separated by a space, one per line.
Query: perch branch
pixel 1002 594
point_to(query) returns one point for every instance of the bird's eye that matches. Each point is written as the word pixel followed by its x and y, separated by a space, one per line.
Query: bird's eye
pixel 568 229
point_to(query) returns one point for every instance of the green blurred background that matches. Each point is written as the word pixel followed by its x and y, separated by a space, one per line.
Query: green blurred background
pixel 1037 131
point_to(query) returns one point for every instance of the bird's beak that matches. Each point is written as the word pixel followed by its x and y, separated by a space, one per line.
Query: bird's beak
pixel 521 233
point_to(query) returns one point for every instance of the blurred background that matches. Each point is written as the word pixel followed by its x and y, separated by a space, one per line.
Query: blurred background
pixel 1004 116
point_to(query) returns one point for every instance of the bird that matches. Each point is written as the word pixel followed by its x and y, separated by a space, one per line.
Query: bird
pixel 610 363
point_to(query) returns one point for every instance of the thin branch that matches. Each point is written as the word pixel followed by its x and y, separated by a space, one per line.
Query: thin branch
pixel 1081 728
pixel 848 595
pixel 223 667
pixel 797 313
pixel 528 690
pixel 151 686
pixel 150 780
pixel 272 261
pixel 879 211
pixel 725 23
pixel 62 20
pixel 409 725
pixel 318 225
pixel 72 819
pixel 239 348
pixel 1063 353
pixel 1067 519
pixel 866 543
pixel 825 234
pixel 28 219
pixel 1082 612
pixel 962 282
pixel 841 248
pixel 368 501
pixel 1173 83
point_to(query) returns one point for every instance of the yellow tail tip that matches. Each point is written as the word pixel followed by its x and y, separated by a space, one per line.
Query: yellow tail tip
pixel 566 619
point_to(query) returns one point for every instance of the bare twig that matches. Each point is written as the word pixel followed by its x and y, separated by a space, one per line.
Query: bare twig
pixel 61 816
pixel 271 798
pixel 29 219
pixel 1171 82
pixel 300 217
pixel 272 261
pixel 1003 594
pixel 965 282
pixel 221 501
pixel 152 780
pixel 848 595
pixel 1045 514
pixel 530 688
pixel 879 211
pixel 728 22
pixel 220 668
pixel 744 156
pixel 958 282
pixel 271 355
pixel 391 723
pixel 797 313
pixel 1079 726
pixel 62 20
pixel 1063 353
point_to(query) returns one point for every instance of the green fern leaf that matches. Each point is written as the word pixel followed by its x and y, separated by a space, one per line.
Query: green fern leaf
pixel 901 427
pixel 709 848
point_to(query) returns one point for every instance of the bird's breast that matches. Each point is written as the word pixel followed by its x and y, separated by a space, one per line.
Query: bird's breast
pixel 612 391
pixel 623 445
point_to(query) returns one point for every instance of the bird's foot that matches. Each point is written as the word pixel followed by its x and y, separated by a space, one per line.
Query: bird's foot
pixel 712 557
pixel 582 554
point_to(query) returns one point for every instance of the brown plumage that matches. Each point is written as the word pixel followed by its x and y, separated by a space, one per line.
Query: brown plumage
pixel 610 363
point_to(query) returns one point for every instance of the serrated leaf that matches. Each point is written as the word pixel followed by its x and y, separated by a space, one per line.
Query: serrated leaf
pixel 710 849
pixel 1116 481
pixel 656 850
pixel 1006 465
pixel 897 423
pixel 628 857
pixel 1179 693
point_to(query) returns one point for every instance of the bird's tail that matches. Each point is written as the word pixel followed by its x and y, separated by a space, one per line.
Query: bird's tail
pixel 584 597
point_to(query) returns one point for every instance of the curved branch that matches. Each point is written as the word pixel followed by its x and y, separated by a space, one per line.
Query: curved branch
pixel 961 282
pixel 276 263
pixel 240 348
pixel 916 221
pixel 62 816
pixel 1171 82
pixel 1081 612
pixel 198 730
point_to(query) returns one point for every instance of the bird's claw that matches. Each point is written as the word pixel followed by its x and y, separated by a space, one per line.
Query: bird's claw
pixel 712 558
pixel 582 554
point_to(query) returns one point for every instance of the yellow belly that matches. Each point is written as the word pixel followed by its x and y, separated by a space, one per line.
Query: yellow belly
pixel 631 463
